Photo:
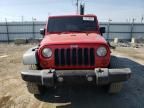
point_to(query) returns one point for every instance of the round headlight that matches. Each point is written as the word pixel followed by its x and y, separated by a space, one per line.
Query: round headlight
pixel 101 51
pixel 47 52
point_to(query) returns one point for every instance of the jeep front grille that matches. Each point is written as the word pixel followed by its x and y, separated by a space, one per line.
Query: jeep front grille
pixel 75 57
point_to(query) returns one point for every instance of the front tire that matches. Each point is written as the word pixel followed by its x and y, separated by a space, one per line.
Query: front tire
pixel 34 88
pixel 115 88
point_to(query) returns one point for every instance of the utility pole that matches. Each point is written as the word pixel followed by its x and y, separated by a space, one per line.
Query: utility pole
pixel 77 5
pixel 108 32
pixel 132 27
pixel 22 19
pixel 7 30
pixel 142 18
pixel 33 27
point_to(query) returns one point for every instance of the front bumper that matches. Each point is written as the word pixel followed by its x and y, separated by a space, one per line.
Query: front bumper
pixel 51 77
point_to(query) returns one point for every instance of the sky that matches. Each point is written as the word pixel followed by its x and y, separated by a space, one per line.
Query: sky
pixel 116 10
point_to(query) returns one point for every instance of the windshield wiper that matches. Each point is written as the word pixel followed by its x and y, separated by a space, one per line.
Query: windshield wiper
pixel 76 31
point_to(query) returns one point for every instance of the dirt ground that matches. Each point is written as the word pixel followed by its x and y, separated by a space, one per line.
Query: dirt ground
pixel 13 92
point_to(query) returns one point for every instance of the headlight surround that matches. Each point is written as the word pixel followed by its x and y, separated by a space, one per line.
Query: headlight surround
pixel 101 51
pixel 47 52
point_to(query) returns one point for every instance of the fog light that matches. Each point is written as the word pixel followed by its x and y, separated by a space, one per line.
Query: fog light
pixel 89 78
pixel 60 79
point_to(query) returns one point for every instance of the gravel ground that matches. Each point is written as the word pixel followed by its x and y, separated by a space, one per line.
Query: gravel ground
pixel 13 92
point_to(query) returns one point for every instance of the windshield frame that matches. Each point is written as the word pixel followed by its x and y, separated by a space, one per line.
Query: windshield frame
pixel 75 31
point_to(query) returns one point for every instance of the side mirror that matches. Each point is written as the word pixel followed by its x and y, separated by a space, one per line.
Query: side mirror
pixel 42 32
pixel 102 30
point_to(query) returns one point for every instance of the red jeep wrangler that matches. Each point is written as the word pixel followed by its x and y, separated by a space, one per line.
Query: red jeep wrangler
pixel 73 52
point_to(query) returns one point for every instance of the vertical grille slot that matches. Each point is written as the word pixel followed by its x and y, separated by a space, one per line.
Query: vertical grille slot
pixel 57 62
pixel 68 56
pixel 74 56
pixel 62 57
pixel 86 62
pixel 80 56
pixel 92 57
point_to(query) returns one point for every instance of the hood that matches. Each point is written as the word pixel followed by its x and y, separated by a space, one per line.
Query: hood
pixel 72 38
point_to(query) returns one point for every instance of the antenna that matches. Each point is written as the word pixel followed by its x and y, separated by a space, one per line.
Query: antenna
pixel 82 7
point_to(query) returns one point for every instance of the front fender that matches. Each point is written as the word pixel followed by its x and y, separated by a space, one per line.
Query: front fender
pixel 30 56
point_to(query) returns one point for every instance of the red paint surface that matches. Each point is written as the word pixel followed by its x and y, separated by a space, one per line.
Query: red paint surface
pixel 65 40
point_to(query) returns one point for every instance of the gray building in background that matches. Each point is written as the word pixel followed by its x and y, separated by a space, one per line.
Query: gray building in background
pixel 9 31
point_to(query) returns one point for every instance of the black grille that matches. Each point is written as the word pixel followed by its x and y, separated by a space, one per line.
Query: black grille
pixel 75 57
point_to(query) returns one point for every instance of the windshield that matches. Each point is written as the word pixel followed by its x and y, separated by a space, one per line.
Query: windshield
pixel 72 24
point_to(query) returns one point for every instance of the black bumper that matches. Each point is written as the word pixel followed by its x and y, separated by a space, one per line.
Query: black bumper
pixel 68 77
